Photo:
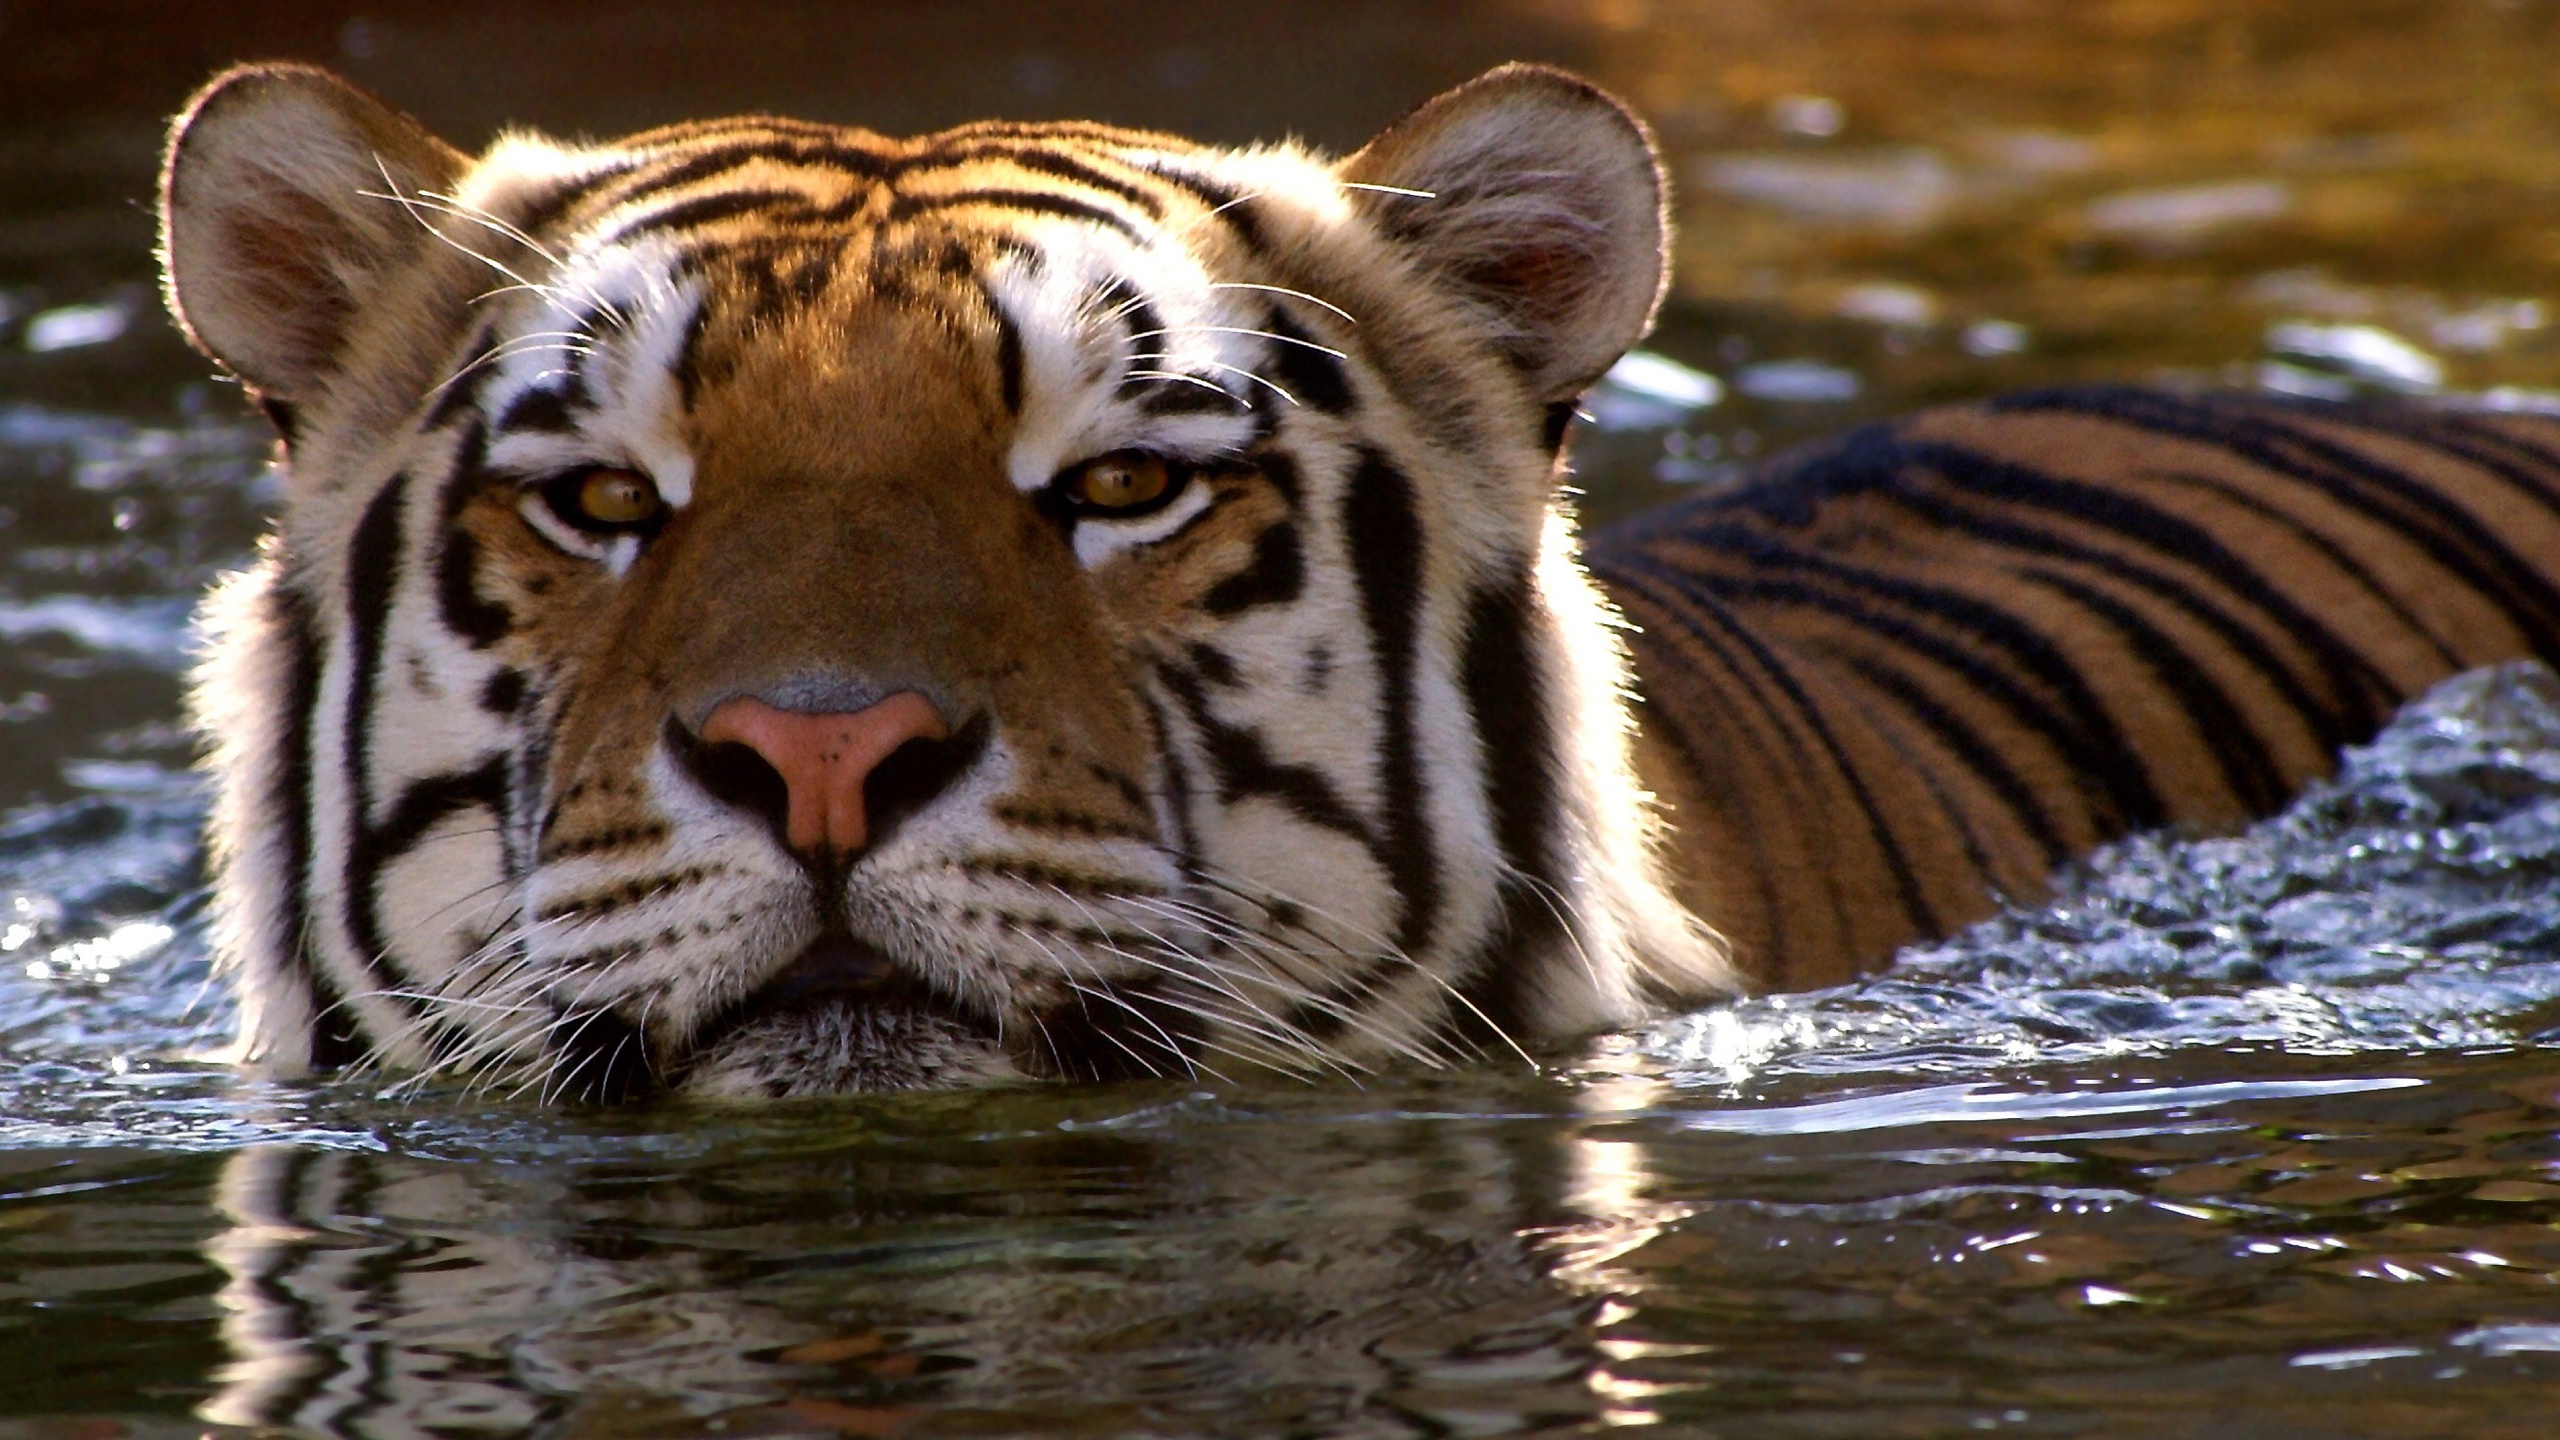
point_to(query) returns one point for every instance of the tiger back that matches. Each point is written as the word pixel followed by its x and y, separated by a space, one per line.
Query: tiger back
pixel 1908 674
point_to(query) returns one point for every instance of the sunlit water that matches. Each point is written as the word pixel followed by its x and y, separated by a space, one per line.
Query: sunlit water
pixel 2248 1135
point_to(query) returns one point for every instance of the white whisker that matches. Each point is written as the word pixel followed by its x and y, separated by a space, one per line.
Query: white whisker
pixel 1315 300
pixel 1163 331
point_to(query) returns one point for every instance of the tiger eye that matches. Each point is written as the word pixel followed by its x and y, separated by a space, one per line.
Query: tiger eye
pixel 1119 482
pixel 618 497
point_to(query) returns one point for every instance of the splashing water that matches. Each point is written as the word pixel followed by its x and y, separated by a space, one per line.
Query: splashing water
pixel 2406 906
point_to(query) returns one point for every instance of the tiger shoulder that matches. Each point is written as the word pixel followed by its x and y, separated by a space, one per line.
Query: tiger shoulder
pixel 763 607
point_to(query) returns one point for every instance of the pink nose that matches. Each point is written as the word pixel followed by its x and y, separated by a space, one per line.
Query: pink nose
pixel 823 759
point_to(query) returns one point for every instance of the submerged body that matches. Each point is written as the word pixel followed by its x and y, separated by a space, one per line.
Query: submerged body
pixel 766 608
pixel 1897 678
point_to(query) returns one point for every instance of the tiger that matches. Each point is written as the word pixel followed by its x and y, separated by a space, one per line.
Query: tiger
pixel 761 608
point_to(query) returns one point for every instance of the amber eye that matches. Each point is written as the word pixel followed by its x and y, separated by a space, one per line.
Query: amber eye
pixel 617 497
pixel 606 498
pixel 1123 480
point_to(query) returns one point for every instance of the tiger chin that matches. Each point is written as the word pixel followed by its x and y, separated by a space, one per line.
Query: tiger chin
pixel 762 608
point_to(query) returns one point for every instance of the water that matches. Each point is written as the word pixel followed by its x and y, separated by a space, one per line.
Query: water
pixel 2251 1135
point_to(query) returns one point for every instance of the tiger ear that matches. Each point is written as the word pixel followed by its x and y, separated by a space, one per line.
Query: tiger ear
pixel 1541 198
pixel 269 240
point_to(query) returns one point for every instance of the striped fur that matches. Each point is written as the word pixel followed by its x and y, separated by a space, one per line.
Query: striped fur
pixel 1317 768
pixel 1327 763
pixel 1907 673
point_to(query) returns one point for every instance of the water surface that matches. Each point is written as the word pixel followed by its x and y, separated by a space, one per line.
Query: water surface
pixel 2246 1134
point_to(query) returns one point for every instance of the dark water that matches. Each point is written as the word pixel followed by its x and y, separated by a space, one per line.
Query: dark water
pixel 2245 1136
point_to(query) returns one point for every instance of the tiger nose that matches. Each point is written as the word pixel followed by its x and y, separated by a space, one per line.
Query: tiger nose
pixel 824 760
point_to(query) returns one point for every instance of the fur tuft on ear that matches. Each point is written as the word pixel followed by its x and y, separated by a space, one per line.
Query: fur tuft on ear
pixel 269 241
pixel 1540 198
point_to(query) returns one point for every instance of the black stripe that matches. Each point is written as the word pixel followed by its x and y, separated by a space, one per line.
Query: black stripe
pixel 373 567
pixel 1385 533
pixel 683 169
pixel 425 804
pixel 1008 347
pixel 480 621
pixel 337 1032
pixel 602 1059
pixel 1507 696
pixel 1135 1034
pixel 2077 724
pixel 1042 162
pixel 1556 424
pixel 695 212
pixel 1315 378
pixel 1790 757
pixel 1915 904
pixel 1240 765
pixel 1276 467
pixel 1236 209
pixel 462 391
pixel 2358 706
pixel 1274 576
pixel 1090 131
pixel 2475 437
pixel 286 419
pixel 1714 619
pixel 1177 786
pixel 688 367
pixel 1198 395
pixel 2338 556
pixel 1798 716
pixel 1031 202
pixel 541 408
pixel 1972 751
pixel 550 209
pixel 2450 534
pixel 1213 665
pixel 1958 818
pixel 502 692
pixel 373 571
pixel 2249 772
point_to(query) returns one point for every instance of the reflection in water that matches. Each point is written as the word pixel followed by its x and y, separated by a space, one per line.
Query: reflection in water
pixel 1514 1259
pixel 369 1296
pixel 1101 1276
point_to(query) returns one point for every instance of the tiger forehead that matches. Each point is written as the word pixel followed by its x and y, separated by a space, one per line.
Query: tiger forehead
pixel 791 182
pixel 1081 287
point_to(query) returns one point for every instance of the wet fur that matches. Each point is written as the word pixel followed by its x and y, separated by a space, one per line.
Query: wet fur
pixel 1322 770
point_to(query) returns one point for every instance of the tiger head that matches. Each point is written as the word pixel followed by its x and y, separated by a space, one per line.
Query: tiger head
pixel 762 607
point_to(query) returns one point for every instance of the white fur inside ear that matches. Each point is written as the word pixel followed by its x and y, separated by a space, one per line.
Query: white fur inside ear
pixel 1538 198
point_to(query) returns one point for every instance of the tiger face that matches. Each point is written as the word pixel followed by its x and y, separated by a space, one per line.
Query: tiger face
pixel 764 608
